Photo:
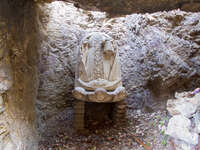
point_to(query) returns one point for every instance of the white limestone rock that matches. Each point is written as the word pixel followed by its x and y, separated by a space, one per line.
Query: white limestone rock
pixel 179 128
pixel 183 105
pixel 181 145
pixel 197 122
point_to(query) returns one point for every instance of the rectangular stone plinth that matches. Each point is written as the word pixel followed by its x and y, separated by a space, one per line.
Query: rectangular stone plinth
pixel 79 111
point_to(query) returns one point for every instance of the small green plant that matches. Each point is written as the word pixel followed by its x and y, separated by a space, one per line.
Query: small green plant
pixel 155 124
pixel 157 117
pixel 164 142
pixel 162 122
pixel 162 127
pixel 148 144
pixel 166 118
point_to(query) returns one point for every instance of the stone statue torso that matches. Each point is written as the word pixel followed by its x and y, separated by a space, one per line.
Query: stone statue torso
pixel 98 64
pixel 98 75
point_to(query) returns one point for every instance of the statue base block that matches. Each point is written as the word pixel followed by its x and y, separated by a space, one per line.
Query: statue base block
pixel 100 95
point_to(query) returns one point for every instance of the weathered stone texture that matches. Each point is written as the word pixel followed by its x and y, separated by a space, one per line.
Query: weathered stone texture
pixel 123 7
pixel 179 128
pixel 18 76
pixel 183 127
pixel 159 54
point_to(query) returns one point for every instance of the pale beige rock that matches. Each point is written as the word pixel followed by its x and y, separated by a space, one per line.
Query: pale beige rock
pixel 179 128
pixel 181 145
pixel 98 75
pixel 1 104
pixel 183 105
pixel 5 141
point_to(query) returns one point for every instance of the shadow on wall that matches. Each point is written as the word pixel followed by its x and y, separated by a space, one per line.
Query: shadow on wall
pixel 19 67
pixel 121 7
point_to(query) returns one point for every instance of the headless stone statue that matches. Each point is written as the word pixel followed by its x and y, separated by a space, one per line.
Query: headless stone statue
pixel 98 75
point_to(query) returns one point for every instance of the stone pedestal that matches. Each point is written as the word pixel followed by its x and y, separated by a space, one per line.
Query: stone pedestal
pixel 119 112
pixel 79 114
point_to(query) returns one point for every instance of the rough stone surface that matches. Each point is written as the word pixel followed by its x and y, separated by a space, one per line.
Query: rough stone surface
pixel 183 127
pixel 183 105
pixel 181 145
pixel 121 7
pixel 100 95
pixel 98 63
pixel 18 76
pixel 179 128
pixel 197 122
pixel 159 54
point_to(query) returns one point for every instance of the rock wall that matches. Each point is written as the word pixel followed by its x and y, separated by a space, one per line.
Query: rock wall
pixel 159 52
pixel 121 7
pixel 18 76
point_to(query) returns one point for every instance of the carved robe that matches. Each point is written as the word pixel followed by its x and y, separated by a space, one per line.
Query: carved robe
pixel 98 63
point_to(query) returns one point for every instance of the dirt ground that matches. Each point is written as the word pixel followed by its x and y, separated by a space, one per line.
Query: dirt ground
pixel 147 127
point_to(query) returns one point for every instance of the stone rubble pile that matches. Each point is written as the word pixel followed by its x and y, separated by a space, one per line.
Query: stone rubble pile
pixel 184 126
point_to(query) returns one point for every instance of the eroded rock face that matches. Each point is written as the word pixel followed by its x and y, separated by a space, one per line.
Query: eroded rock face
pixel 120 7
pixel 159 54
pixel 18 76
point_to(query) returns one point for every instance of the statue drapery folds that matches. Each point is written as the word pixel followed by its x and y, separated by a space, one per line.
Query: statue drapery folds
pixel 98 63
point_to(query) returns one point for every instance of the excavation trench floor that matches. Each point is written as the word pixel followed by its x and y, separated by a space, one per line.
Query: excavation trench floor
pixel 147 127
